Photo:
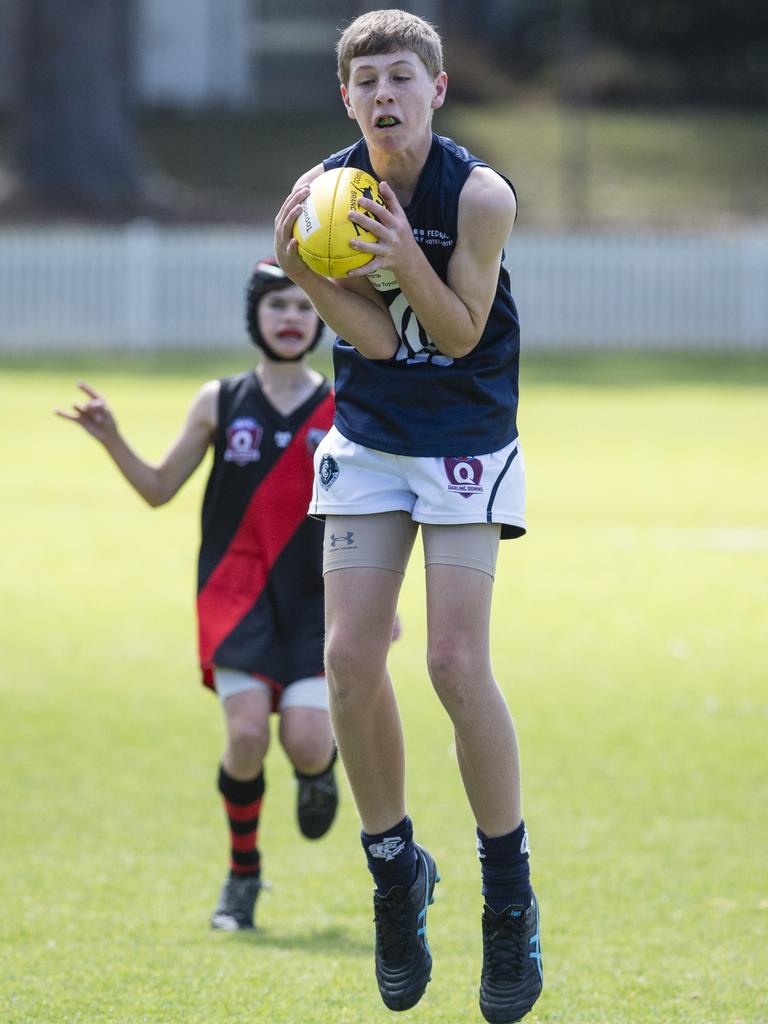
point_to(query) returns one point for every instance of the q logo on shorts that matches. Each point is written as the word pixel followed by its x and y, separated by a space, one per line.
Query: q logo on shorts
pixel 464 474
pixel 328 471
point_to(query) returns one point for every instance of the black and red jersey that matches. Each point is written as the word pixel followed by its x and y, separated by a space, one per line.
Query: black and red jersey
pixel 260 583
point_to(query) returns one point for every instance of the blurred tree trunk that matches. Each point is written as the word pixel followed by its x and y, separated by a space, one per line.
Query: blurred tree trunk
pixel 574 111
pixel 72 138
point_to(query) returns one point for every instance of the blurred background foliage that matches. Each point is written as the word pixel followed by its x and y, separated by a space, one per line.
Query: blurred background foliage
pixel 660 52
pixel 650 113
pixel 679 168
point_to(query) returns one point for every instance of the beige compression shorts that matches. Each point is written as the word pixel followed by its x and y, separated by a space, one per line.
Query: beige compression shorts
pixel 384 540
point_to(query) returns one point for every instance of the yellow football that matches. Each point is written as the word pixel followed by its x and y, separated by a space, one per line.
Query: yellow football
pixel 323 229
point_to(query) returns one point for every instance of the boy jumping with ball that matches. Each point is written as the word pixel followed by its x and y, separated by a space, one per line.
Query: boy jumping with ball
pixel 426 365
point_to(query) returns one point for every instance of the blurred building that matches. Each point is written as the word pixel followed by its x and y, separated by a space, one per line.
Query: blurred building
pixel 242 54
pixel 252 54
pixel 6 51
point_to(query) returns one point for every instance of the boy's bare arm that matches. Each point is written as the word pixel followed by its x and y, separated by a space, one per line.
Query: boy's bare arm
pixel 453 314
pixel 157 484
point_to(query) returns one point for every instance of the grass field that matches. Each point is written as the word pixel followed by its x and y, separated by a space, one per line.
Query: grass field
pixel 629 635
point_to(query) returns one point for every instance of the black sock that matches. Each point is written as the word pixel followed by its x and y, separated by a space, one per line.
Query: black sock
pixel 242 803
pixel 504 864
pixel 391 856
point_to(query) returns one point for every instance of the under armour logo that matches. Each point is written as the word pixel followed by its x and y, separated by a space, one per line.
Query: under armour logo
pixel 343 539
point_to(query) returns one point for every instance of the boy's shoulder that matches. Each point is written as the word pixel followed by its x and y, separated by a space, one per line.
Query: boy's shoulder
pixel 235 388
pixel 441 145
pixel 459 155
pixel 355 155
pixel 456 160
pixel 454 150
pixel 234 380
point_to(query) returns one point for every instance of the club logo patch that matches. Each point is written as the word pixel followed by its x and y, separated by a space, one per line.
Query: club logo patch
pixel 314 436
pixel 243 441
pixel 328 471
pixel 283 438
pixel 388 848
pixel 464 474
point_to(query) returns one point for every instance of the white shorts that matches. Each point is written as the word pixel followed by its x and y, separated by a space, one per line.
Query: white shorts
pixel 351 479
pixel 304 693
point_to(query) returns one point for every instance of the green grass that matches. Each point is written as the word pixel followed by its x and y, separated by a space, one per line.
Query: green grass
pixel 629 635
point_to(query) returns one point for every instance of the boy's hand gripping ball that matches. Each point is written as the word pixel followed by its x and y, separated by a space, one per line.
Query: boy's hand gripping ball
pixel 323 230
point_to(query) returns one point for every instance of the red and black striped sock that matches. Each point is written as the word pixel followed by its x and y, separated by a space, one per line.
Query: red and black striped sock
pixel 242 803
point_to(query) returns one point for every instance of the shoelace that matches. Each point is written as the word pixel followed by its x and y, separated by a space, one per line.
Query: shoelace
pixel 394 926
pixel 239 897
pixel 316 793
pixel 506 947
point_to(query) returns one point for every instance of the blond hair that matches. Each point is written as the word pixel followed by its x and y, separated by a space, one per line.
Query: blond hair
pixel 387 31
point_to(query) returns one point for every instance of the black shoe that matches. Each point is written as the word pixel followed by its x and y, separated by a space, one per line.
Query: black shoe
pixel 512 975
pixel 403 959
pixel 237 901
pixel 317 801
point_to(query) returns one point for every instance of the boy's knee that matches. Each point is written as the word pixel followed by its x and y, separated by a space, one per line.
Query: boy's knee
pixel 309 753
pixel 345 661
pixel 248 737
pixel 350 670
pixel 452 665
pixel 307 740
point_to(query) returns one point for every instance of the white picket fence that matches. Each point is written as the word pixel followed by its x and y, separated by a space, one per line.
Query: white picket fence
pixel 146 287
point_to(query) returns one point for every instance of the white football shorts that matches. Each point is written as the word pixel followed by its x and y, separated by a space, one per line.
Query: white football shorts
pixel 351 479
pixel 303 693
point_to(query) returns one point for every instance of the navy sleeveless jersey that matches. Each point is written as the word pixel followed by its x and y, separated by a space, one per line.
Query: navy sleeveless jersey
pixel 260 582
pixel 421 402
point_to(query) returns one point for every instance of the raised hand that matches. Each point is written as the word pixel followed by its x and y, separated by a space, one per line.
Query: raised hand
pixel 95 416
